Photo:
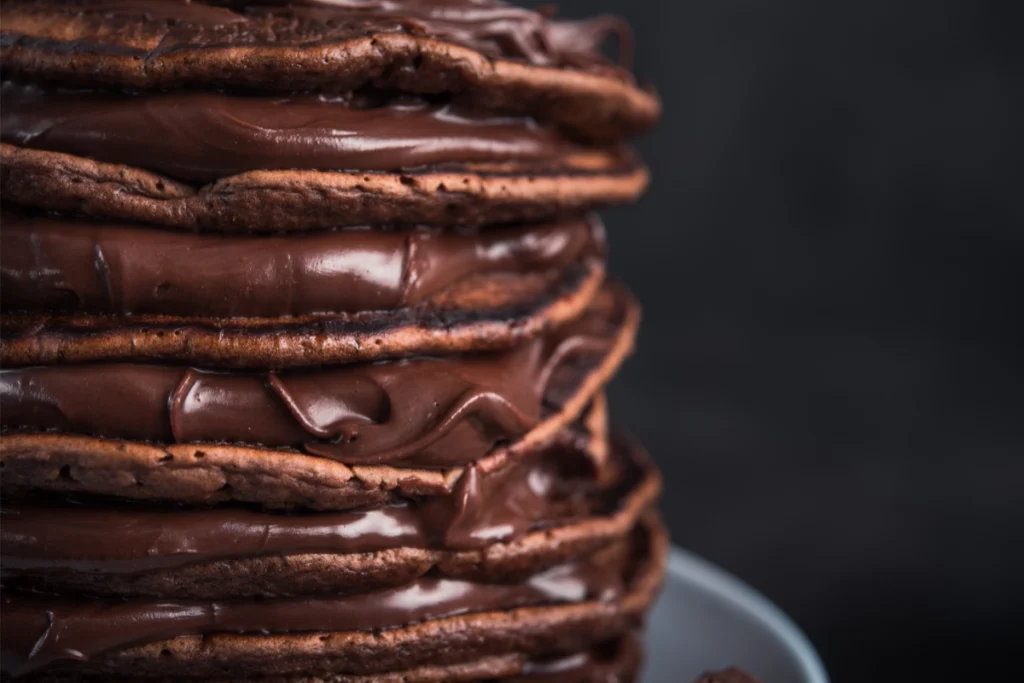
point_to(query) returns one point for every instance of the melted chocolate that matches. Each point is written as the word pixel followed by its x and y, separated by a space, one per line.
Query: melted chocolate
pixel 436 412
pixel 485 508
pixel 58 265
pixel 37 632
pixel 203 136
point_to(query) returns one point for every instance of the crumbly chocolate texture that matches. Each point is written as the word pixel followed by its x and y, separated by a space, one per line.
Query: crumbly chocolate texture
pixel 481 313
pixel 600 518
pixel 439 642
pixel 290 200
pixel 283 49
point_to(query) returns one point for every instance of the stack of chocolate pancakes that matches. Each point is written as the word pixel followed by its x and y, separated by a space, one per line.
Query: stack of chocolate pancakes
pixel 305 331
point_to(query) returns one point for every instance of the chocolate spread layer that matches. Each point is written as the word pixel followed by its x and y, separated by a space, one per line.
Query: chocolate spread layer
pixel 431 411
pixel 484 508
pixel 203 136
pixel 39 631
pixel 57 265
pixel 496 57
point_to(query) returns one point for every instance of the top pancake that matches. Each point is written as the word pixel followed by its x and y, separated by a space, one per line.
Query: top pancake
pixel 483 52
pixel 446 112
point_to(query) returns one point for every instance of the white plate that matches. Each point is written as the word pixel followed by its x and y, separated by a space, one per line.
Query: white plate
pixel 707 619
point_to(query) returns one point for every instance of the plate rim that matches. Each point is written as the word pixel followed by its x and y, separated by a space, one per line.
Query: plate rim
pixel 685 566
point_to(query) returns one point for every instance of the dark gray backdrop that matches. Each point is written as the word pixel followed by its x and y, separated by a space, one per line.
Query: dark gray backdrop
pixel 830 370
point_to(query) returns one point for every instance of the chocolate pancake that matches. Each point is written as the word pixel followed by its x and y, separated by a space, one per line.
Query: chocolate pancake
pixel 482 311
pixel 434 412
pixel 460 194
pixel 438 412
pixel 616 660
pixel 305 328
pixel 481 52
pixel 82 289
pixel 494 526
pixel 399 445
pixel 430 620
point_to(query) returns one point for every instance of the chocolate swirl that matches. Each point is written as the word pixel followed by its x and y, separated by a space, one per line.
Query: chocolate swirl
pixel 203 136
pixel 51 264
pixel 436 412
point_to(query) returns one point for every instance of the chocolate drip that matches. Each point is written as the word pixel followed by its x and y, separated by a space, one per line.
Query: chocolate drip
pixel 437 412
pixel 203 136
pixel 59 265
pixel 37 632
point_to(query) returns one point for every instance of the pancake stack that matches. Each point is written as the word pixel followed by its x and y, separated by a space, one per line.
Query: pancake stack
pixel 305 331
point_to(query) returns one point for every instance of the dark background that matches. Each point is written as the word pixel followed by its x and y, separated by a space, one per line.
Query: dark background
pixel 830 368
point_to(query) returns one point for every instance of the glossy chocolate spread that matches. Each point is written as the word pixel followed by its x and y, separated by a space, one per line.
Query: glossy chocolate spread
pixel 39 631
pixel 58 265
pixel 431 411
pixel 485 507
pixel 203 136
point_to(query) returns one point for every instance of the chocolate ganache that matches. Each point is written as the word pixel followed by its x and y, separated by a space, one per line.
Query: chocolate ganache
pixel 203 136
pixel 39 631
pixel 52 264
pixel 429 411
